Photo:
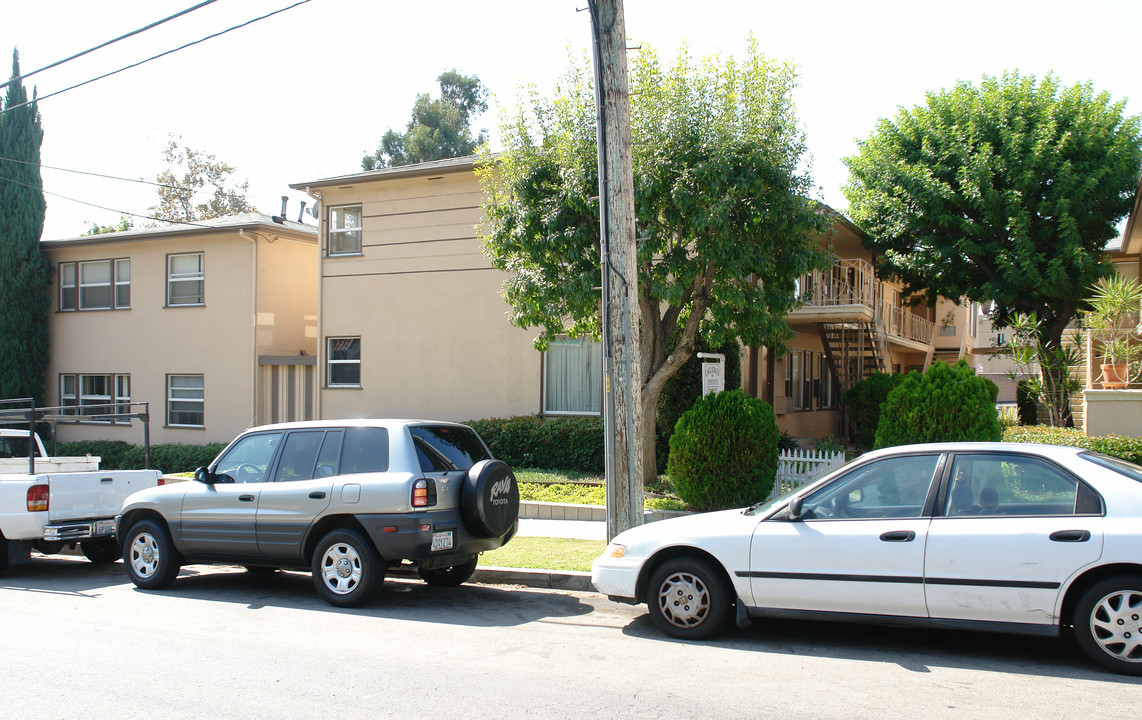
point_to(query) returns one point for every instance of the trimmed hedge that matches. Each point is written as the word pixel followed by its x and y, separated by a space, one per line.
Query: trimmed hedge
pixel 1126 448
pixel 862 405
pixel 723 452
pixel 948 403
pixel 170 458
pixel 531 441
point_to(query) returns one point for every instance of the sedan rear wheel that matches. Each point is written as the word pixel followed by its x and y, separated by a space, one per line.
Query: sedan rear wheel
pixel 1108 624
pixel 689 599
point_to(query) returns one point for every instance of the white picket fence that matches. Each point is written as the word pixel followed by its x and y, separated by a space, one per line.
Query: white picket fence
pixel 800 467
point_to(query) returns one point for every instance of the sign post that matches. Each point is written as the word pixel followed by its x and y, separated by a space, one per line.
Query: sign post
pixel 713 373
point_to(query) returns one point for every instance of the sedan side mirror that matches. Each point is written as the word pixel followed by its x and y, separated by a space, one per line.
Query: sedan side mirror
pixel 203 475
pixel 795 508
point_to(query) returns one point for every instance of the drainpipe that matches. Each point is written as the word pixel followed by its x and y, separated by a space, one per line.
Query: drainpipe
pixel 254 394
pixel 319 371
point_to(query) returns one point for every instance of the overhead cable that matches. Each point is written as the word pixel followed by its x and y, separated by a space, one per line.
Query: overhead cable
pixel 57 63
pixel 154 57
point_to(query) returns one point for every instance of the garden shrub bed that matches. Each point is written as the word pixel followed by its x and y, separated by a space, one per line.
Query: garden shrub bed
pixel 1126 448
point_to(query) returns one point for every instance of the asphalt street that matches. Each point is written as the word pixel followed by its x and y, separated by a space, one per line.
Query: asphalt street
pixel 79 641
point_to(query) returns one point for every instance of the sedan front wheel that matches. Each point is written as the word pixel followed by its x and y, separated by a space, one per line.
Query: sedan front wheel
pixel 689 598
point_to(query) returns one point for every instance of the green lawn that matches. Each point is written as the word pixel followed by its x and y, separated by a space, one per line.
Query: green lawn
pixel 545 553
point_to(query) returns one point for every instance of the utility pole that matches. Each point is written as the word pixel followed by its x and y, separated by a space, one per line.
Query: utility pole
pixel 622 395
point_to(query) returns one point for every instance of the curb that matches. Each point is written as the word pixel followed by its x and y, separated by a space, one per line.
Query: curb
pixel 546 579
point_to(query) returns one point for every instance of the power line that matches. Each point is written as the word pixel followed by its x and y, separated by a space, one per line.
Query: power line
pixel 93 174
pixel 19 78
pixel 155 57
pixel 103 207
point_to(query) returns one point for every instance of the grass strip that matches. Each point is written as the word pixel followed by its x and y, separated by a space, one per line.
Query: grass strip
pixel 543 553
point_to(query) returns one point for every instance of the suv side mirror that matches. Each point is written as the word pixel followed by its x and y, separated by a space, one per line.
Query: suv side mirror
pixel 795 508
pixel 203 475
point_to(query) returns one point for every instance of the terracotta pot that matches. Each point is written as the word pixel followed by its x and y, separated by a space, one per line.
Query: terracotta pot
pixel 1115 376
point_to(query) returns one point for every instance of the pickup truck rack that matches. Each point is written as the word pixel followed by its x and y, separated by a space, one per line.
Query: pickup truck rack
pixel 23 411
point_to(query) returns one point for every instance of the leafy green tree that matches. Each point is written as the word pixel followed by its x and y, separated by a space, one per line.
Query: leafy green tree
pixel 862 405
pixel 189 173
pixel 124 225
pixel 25 274
pixel 947 403
pixel 1005 192
pixel 440 128
pixel 724 226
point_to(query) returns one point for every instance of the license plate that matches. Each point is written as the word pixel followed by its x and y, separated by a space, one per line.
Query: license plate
pixel 442 540
pixel 103 527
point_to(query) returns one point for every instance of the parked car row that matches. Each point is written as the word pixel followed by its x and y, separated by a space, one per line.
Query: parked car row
pixel 1023 539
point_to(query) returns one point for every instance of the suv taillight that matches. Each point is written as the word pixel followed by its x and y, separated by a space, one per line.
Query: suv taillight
pixel 424 493
pixel 38 498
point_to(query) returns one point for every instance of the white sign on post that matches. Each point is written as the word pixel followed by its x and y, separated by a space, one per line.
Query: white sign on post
pixel 713 373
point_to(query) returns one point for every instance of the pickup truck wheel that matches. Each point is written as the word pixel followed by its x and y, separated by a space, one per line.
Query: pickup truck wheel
pixel 151 560
pixel 489 499
pixel 449 576
pixel 346 568
pixel 102 551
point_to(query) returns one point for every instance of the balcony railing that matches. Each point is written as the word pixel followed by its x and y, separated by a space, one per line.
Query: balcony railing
pixel 854 282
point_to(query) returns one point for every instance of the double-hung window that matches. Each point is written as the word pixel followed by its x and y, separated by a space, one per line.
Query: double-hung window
pixel 573 377
pixel 95 285
pixel 186 279
pixel 186 401
pixel 345 230
pixel 93 395
pixel 343 362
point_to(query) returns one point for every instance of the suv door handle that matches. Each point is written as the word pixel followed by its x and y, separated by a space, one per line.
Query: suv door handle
pixel 1070 536
pixel 898 536
pixel 246 498
pixel 317 494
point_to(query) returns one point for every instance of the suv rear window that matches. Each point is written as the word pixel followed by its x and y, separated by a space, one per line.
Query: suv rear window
pixel 442 448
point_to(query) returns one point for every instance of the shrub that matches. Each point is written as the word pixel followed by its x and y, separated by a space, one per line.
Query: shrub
pixel 723 452
pixel 170 458
pixel 862 405
pixel 1126 448
pixel 551 443
pixel 947 403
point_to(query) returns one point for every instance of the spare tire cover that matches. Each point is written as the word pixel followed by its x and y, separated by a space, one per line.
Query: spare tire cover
pixel 490 499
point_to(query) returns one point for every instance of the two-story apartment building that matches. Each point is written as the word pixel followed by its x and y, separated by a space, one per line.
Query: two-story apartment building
pixel 412 321
pixel 214 324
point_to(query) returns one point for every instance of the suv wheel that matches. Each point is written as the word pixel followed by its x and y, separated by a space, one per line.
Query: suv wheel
pixel 346 568
pixel 489 499
pixel 151 560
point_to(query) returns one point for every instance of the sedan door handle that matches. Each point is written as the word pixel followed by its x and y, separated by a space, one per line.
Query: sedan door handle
pixel 246 498
pixel 317 494
pixel 1070 536
pixel 898 536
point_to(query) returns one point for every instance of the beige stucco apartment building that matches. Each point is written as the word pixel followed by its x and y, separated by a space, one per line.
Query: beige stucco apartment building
pixel 213 324
pixel 412 322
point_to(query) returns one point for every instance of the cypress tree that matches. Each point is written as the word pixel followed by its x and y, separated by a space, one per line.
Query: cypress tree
pixel 25 273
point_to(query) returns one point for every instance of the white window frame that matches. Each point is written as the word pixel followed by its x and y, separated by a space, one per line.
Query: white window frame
pixel 342 238
pixel 331 363
pixel 198 276
pixel 584 395
pixel 75 396
pixel 200 400
pixel 118 285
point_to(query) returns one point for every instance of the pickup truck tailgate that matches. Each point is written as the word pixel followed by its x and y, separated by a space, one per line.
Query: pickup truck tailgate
pixel 83 495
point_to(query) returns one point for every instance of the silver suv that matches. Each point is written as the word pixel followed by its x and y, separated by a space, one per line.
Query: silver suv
pixel 345 499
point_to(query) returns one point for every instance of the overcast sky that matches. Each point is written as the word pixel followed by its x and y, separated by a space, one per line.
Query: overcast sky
pixel 304 94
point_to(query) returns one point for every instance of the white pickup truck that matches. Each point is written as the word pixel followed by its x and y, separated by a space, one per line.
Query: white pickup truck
pixel 49 503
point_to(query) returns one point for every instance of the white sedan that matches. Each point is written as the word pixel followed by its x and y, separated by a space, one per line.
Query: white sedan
pixel 1033 539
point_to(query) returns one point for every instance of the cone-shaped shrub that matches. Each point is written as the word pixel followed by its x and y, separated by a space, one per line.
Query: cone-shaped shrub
pixel 723 452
